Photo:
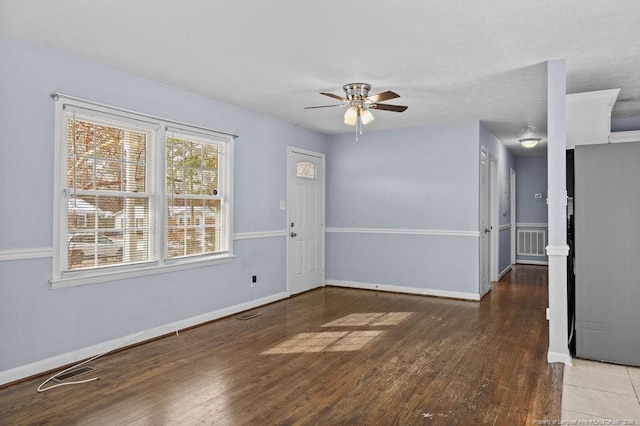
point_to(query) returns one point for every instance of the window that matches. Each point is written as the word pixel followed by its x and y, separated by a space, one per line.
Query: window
pixel 138 193
pixel 107 189
pixel 194 203
pixel 305 169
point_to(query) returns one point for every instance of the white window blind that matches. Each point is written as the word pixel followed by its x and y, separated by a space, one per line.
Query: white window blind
pixel 195 190
pixel 137 193
pixel 108 188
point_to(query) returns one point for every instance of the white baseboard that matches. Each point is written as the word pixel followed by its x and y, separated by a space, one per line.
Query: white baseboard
pixel 559 357
pixel 504 272
pixel 532 262
pixel 409 290
pixel 57 361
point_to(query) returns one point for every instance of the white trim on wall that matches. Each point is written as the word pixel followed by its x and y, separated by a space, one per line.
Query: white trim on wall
pixel 512 185
pixel 494 219
pixel 398 231
pixel 27 253
pixel 43 252
pixel 531 225
pixel 532 262
pixel 263 234
pixel 504 272
pixel 401 289
pixel 38 367
pixel 622 137
pixel 504 227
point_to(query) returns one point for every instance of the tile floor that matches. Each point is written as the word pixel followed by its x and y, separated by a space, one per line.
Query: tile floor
pixel 595 391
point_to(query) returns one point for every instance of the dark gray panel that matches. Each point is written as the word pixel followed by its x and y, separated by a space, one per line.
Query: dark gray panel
pixel 607 228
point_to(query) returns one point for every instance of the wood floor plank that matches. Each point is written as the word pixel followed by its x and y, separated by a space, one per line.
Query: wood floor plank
pixel 445 362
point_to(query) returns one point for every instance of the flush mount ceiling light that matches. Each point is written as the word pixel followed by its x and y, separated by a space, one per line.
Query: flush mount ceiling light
pixel 529 142
pixel 360 104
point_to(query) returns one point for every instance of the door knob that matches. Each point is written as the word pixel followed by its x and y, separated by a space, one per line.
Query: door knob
pixel 487 230
pixel 293 234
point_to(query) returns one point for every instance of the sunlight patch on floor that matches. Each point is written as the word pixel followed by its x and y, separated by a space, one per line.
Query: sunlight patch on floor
pixel 371 319
pixel 325 341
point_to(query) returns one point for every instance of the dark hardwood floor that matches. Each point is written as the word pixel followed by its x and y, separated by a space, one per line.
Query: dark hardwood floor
pixel 329 356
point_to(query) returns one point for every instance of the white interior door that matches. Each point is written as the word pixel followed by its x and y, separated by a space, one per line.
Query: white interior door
pixel 306 221
pixel 485 228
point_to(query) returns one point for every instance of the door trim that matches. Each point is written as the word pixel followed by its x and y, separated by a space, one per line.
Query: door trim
pixel 485 205
pixel 322 157
pixel 512 184
pixel 494 219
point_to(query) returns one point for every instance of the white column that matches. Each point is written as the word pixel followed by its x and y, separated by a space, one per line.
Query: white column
pixel 557 250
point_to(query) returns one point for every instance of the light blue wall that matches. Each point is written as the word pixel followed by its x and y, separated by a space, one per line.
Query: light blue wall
pixel 505 163
pixel 412 179
pixel 416 179
pixel 625 124
pixel 36 322
pixel 531 178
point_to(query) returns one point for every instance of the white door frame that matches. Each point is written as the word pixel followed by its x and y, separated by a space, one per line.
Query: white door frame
pixel 494 219
pixel 512 185
pixel 290 151
pixel 484 221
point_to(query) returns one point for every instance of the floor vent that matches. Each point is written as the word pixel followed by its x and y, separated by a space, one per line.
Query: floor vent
pixel 531 243
pixel 248 316
pixel 73 373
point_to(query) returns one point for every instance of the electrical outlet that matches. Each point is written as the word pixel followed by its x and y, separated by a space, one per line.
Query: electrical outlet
pixel 254 279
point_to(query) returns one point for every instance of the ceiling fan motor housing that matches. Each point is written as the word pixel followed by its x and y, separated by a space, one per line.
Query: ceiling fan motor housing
pixel 356 91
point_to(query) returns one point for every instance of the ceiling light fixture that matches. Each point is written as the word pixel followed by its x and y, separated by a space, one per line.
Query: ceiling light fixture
pixel 360 104
pixel 358 115
pixel 366 116
pixel 350 116
pixel 529 142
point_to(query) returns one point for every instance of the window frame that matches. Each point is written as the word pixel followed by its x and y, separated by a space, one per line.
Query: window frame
pixel 223 180
pixel 155 176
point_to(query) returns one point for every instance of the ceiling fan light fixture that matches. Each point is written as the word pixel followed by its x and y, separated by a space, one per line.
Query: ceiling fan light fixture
pixel 350 116
pixel 529 142
pixel 366 116
pixel 359 103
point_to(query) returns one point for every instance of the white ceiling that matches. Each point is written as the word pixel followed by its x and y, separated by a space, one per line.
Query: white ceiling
pixel 450 60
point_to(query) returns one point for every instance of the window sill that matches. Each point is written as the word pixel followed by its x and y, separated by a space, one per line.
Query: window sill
pixel 100 277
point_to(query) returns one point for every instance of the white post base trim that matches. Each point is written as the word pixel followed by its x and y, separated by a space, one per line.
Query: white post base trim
pixel 408 290
pixel 559 357
pixel 38 367
pixel 558 250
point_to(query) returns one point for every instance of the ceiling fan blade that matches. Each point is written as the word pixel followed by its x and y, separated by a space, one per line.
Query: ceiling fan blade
pixel 383 96
pixel 387 107
pixel 331 95
pixel 325 106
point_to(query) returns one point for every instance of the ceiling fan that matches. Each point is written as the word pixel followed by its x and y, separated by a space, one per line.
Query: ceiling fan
pixel 360 104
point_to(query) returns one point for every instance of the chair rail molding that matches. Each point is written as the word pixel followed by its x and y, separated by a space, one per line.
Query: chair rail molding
pixel 400 231
pixel 26 253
